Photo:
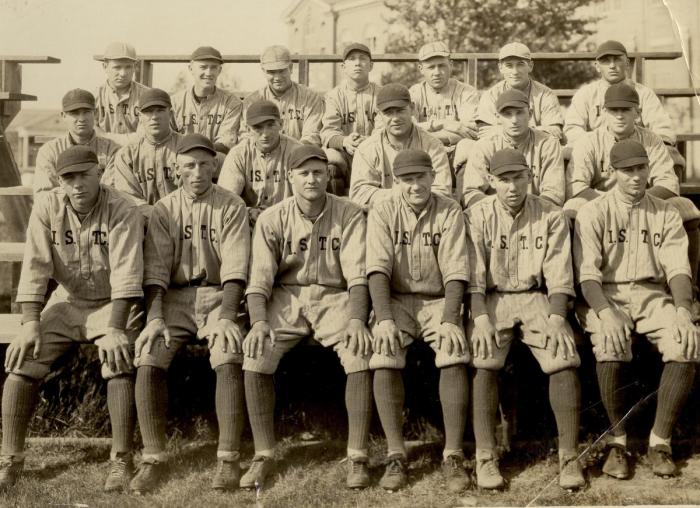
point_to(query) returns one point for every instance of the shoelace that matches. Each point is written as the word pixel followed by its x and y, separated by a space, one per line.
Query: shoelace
pixel 224 467
pixel 5 463
pixel 356 466
pixel 256 465
pixel 118 467
pixel 490 466
pixel 454 463
pixel 395 467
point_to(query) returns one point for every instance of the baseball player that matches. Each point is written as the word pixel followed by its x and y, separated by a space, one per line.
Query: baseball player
pixel 256 169
pixel 79 116
pixel 443 106
pixel 520 283
pixel 196 262
pixel 349 115
pixel 206 108
pixel 301 108
pixel 515 65
pixel 88 238
pixel 628 246
pixel 372 177
pixel 542 153
pixel 417 269
pixel 118 98
pixel 307 278
pixel 590 172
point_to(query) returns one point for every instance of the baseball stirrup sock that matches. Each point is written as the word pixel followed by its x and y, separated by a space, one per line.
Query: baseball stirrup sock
pixel 229 406
pixel 358 401
pixel 454 398
pixel 19 397
pixel 389 396
pixel 610 383
pixel 565 399
pixel 675 386
pixel 152 407
pixel 485 407
pixel 260 399
pixel 122 412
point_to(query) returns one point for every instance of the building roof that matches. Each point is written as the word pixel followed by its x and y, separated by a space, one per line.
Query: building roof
pixel 37 122
pixel 328 5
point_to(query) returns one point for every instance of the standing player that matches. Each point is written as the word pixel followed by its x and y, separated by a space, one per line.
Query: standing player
pixel 79 116
pixel 417 268
pixel 87 238
pixel 118 98
pixel 520 284
pixel 629 245
pixel 205 108
pixel 515 65
pixel 301 108
pixel 372 175
pixel 256 169
pixel 307 278
pixel 349 115
pixel 196 259
pixel 542 153
pixel 443 106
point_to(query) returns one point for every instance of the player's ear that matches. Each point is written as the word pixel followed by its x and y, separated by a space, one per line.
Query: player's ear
pixel 420 67
pixel 597 67
pixel 189 66
pixel 530 65
pixel 371 65
pixel 491 179
pixel 290 174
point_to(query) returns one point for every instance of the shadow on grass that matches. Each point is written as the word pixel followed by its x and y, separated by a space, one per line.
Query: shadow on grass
pixel 85 456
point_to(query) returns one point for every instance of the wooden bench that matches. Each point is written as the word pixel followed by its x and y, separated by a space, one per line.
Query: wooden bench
pixel 10 325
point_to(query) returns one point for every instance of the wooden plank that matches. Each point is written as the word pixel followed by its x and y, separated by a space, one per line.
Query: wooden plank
pixel 690 189
pixel 18 190
pixel 30 59
pixel 16 96
pixel 692 136
pixel 11 251
pixel 677 92
pixel 10 325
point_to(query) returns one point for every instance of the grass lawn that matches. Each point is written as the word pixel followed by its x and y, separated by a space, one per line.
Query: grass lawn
pixel 311 474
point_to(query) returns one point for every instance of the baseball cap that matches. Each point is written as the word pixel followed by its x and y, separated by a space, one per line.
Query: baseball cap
pixel 412 161
pixel 191 141
pixel 621 95
pixel 275 58
pixel 507 161
pixel 628 153
pixel 75 159
pixel 206 53
pixel 154 97
pixel 514 49
pixel 393 95
pixel 119 51
pixel 260 111
pixel 432 49
pixel 356 46
pixel 76 99
pixel 610 48
pixel 512 98
pixel 303 153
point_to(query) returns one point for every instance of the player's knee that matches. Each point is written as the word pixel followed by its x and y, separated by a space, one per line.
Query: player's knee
pixel 218 358
pixel 444 359
pixel 559 363
pixel 31 370
pixel 488 363
pixel 382 361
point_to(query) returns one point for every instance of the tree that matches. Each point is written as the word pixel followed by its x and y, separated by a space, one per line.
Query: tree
pixel 483 26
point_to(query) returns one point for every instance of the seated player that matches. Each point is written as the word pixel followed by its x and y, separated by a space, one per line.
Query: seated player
pixel 515 65
pixel 196 260
pixel 417 268
pixel 629 247
pixel 349 115
pixel 372 177
pixel 542 153
pixel 88 238
pixel 205 108
pixel 520 284
pixel 256 169
pixel 79 116
pixel 307 279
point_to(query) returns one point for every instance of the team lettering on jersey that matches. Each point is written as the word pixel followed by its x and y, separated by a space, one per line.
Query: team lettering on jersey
pixel 193 119
pixel 621 236
pixel 205 233
pixel 303 244
pixel 99 237
pixel 427 239
pixel 293 114
pixel 258 175
pixel 149 174
pixel 121 108
pixel 350 117
pixel 444 111
pixel 523 242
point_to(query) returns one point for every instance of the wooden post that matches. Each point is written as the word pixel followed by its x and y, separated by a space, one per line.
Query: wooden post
pixel 472 77
pixel 144 72
pixel 304 72
pixel 639 69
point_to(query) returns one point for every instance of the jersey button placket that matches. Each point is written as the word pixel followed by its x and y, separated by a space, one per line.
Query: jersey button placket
pixel 633 238
pixel 84 248
pixel 513 254
pixel 415 251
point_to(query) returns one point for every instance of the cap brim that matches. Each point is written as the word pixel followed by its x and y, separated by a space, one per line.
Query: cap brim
pixel 632 161
pixel 513 104
pixel 399 103
pixel 433 54
pixel 119 57
pixel 615 52
pixel 150 104
pixel 512 55
pixel 257 120
pixel 207 57
pixel 77 168
pixel 356 50
pixel 411 170
pixel 621 104
pixel 275 66
pixel 310 157
pixel 78 105
pixel 198 145
pixel 509 168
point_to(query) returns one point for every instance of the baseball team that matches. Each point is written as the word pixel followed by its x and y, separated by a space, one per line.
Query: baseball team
pixel 367 219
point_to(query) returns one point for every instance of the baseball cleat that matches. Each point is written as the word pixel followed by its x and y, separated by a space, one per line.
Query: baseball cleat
pixel 358 473
pixel 149 477
pixel 455 473
pixel 10 471
pixel 120 471
pixel 617 464
pixel 227 475
pixel 570 472
pixel 661 461
pixel 394 477
pixel 488 475
pixel 260 469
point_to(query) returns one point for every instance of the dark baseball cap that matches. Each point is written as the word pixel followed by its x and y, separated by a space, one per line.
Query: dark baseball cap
pixel 303 153
pixel 260 111
pixel 154 97
pixel 76 159
pixel 356 46
pixel 627 153
pixel 507 161
pixel 412 161
pixel 393 95
pixel 206 53
pixel 610 48
pixel 621 95
pixel 77 99
pixel 191 141
pixel 512 98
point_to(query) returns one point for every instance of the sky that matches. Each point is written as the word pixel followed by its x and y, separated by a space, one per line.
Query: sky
pixel 75 30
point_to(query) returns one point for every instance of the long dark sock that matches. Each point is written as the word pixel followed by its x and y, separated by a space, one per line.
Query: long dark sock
pixel 122 412
pixel 485 407
pixel 609 381
pixel 152 407
pixel 229 402
pixel 260 400
pixel 565 399
pixel 454 398
pixel 389 396
pixel 358 401
pixel 675 386
pixel 19 398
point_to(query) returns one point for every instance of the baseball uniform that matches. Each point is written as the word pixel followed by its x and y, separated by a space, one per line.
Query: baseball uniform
pixel 456 101
pixel 118 115
pixel 348 110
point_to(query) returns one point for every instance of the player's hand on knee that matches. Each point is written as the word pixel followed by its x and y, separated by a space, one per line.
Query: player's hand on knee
pixel 686 333
pixel 253 214
pixel 485 337
pixel 229 334
pixel 558 333
pixel 358 338
pixel 387 338
pixel 616 329
pixel 454 335
pixel 29 339
pixel 155 329
pixel 113 349
pixel 253 343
